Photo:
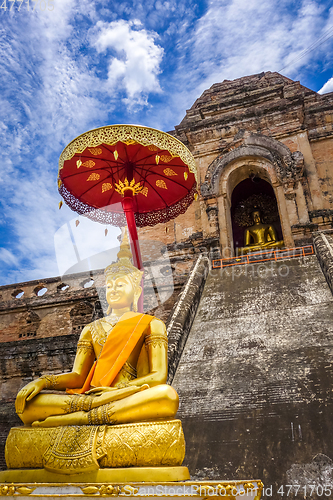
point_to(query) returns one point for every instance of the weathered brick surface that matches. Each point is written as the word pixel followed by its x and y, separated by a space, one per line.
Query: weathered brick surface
pixel 58 312
pixel 323 155
pixel 255 378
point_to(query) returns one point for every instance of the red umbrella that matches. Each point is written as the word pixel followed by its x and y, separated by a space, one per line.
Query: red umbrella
pixel 148 173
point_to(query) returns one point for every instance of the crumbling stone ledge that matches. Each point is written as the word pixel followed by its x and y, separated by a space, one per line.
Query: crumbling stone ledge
pixel 320 213
pixel 184 311
pixel 323 243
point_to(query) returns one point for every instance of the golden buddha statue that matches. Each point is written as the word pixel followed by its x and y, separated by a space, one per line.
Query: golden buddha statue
pixel 115 417
pixel 127 383
pixel 260 236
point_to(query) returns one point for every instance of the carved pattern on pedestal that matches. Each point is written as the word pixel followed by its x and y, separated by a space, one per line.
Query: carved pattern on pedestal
pixel 11 489
pixel 106 490
pixel 145 444
pixel 77 448
pixel 194 489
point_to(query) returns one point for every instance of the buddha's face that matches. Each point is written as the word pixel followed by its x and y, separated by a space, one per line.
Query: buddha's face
pixel 256 217
pixel 120 292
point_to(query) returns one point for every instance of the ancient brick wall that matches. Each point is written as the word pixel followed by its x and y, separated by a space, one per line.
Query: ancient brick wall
pixel 65 306
pixel 323 154
pixel 23 361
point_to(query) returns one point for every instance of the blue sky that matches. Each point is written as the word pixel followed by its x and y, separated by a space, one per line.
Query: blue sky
pixel 72 65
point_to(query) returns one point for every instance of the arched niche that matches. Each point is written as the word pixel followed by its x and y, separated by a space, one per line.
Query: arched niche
pixel 274 163
pixel 253 185
pixel 233 174
pixel 283 166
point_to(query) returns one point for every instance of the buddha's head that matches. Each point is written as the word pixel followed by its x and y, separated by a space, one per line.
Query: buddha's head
pixel 123 280
pixel 256 216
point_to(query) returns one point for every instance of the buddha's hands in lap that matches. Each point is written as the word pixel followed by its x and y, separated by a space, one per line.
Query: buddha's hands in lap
pixel 103 395
pixel 28 392
pixel 97 391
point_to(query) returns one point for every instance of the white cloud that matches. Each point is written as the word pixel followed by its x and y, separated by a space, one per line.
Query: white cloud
pixel 235 38
pixel 7 257
pixel 138 59
pixel 68 87
pixel 328 87
pixel 47 94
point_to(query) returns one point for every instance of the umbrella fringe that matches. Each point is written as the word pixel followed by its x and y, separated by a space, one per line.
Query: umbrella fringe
pixel 118 218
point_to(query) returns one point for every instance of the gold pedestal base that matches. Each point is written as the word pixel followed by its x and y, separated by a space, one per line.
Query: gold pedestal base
pixel 147 490
pixel 76 449
pixel 119 475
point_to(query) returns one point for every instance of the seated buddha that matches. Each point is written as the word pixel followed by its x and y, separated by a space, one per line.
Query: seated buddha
pixel 120 369
pixel 260 236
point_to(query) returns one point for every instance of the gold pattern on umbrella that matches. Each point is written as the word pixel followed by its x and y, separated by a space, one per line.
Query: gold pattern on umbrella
pixel 154 139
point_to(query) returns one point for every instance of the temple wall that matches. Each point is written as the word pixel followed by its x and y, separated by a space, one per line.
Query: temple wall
pixel 183 228
pixel 59 311
pixel 323 155
pixel 268 105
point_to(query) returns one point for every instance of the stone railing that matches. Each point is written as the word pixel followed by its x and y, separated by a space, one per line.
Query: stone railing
pixel 184 311
pixel 323 243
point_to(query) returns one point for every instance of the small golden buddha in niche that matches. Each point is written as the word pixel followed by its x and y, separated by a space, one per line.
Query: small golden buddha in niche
pixel 120 369
pixel 260 236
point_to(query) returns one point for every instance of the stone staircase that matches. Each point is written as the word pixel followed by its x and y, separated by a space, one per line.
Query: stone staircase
pixel 255 377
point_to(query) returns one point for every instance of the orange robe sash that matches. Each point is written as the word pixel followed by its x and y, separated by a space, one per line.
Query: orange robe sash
pixel 118 346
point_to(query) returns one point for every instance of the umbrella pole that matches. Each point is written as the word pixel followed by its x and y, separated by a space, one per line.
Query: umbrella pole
pixel 128 206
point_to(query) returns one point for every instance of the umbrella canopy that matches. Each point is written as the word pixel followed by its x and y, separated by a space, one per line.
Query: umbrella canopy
pixel 98 169
pixel 127 174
